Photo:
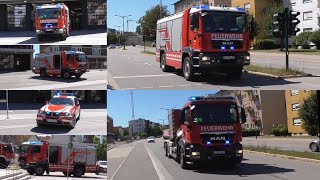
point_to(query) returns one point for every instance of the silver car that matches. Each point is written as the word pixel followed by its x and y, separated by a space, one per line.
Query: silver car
pixel 315 146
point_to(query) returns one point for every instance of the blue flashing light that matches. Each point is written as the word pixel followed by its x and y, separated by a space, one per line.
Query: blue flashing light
pixel 208 142
pixel 48 113
pixel 232 47
pixel 203 7
pixel 223 47
pixel 227 142
pixel 193 98
pixel 33 142
pixel 241 9
pixel 58 94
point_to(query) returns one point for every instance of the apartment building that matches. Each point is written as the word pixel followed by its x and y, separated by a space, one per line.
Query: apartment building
pixel 264 109
pixel 309 13
pixel 15 57
pixel 181 5
pixel 294 100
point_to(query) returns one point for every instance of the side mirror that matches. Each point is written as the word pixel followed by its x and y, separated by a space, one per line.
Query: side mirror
pixel 181 116
pixel 243 116
pixel 46 102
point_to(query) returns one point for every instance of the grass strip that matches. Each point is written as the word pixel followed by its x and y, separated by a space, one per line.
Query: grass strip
pixel 274 71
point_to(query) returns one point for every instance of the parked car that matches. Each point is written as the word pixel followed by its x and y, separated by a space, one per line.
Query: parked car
pixel 102 166
pixel 315 146
pixel 151 139
pixel 112 46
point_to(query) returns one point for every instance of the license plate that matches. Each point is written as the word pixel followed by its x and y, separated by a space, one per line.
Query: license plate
pixel 228 57
pixel 52 120
pixel 219 152
pixel 49 29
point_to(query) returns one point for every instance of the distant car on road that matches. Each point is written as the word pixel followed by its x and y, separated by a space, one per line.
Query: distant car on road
pixel 151 139
pixel 102 166
pixel 112 46
pixel 62 109
pixel 315 146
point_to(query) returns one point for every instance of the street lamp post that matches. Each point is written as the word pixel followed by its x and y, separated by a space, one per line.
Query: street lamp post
pixel 318 96
pixel 167 109
pixel 118 33
pixel 124 43
pixel 160 9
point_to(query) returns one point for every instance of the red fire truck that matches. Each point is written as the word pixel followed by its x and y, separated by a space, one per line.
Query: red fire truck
pixel 52 20
pixel 206 129
pixel 204 39
pixel 65 64
pixel 38 157
pixel 6 154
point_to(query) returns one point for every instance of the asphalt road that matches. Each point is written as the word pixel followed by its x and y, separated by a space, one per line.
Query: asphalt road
pixel 27 80
pixel 59 175
pixel 147 161
pixel 83 37
pixel 131 69
pixel 92 121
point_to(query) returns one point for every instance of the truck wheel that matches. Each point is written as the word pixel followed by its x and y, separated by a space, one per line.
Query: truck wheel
pixel 188 70
pixel 39 170
pixel 43 73
pixel 3 163
pixel 66 74
pixel 166 151
pixel 163 65
pixel 182 159
pixel 78 171
pixel 78 117
pixel 63 37
pixel 30 171
pixel 78 76
pixel 314 147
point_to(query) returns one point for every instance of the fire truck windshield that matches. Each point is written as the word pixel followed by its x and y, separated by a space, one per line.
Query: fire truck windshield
pixel 61 101
pixel 224 22
pixel 81 57
pixel 215 114
pixel 24 149
pixel 48 13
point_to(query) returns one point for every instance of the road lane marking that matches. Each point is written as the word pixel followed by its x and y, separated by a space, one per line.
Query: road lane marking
pixel 120 164
pixel 162 172
pixel 166 86
pixel 143 76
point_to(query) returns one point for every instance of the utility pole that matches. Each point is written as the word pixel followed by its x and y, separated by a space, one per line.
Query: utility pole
pixel 124 43
pixel 168 110
pixel 7 96
pixel 286 19
pixel 118 33
pixel 132 111
pixel 318 96
pixel 160 9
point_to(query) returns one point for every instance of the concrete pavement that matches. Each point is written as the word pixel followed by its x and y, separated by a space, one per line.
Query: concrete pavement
pixel 93 80
pixel 147 161
pixel 87 37
pixel 131 69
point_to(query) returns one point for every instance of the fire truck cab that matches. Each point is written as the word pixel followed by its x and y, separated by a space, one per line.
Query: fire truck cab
pixel 52 20
pixel 38 157
pixel 65 64
pixel 6 154
pixel 207 128
pixel 204 39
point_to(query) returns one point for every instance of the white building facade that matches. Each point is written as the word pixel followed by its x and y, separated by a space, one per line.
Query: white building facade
pixel 309 13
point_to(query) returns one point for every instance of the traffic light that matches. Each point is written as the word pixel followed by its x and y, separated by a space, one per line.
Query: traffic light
pixel 293 21
pixel 144 38
pixel 278 24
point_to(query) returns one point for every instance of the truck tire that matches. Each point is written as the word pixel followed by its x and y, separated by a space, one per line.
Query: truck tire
pixel 78 171
pixel 182 160
pixel 78 117
pixel 66 74
pixel 30 171
pixel 43 73
pixel 166 151
pixel 3 163
pixel 39 170
pixel 163 66
pixel 187 69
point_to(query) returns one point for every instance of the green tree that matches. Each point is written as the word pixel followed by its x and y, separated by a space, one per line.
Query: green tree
pixel 101 148
pixel 309 114
pixel 138 30
pixel 123 38
pixel 253 27
pixel 112 38
pixel 149 21
pixel 125 132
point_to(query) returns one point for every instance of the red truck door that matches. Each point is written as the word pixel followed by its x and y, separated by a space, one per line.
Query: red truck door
pixel 194 28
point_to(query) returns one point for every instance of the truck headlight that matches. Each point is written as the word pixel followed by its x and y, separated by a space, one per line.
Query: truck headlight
pixel 195 153
pixel 239 152
pixel 205 58
pixel 66 114
pixel 247 58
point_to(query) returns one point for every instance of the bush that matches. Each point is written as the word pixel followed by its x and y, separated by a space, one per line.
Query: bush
pixel 303 39
pixel 266 44
pixel 281 130
pixel 250 132
pixel 315 38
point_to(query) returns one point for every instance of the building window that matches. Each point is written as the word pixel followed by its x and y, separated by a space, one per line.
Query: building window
pixel 294 92
pixel 296 121
pixel 295 107
pixel 307 1
pixel 55 48
pixel 97 12
pixel 307 15
pixel 293 2
pixel 257 114
pixel 255 92
pixel 75 48
pixel 247 7
pixel 17 17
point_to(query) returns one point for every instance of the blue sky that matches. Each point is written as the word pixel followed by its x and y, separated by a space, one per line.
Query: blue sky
pixel 136 8
pixel 147 103
pixel 36 49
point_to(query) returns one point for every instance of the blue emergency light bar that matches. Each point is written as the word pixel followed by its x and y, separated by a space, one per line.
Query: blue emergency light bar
pixel 47 6
pixel 210 98
pixel 202 7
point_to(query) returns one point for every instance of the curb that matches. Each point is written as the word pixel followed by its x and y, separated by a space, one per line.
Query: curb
pixel 279 77
pixel 285 156
pixel 112 85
